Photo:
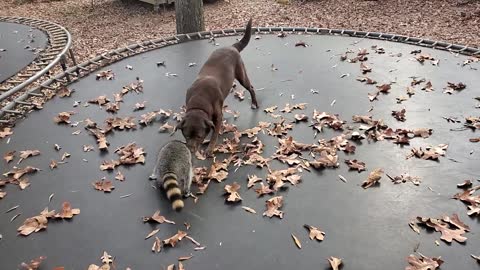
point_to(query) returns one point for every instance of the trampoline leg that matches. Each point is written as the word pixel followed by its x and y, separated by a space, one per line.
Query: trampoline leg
pixel 72 56
pixel 64 67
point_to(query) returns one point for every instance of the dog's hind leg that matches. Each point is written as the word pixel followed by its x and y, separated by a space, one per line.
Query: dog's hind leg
pixel 242 78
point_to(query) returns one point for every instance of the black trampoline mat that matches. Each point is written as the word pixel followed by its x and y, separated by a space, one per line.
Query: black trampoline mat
pixel 18 41
pixel 368 229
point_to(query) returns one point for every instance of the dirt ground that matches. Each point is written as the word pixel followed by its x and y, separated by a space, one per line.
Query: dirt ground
pixel 109 24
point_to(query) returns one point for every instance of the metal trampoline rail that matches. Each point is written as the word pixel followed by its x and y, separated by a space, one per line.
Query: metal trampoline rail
pixel 83 69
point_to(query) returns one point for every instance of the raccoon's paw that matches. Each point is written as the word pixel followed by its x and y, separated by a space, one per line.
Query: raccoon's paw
pixel 153 176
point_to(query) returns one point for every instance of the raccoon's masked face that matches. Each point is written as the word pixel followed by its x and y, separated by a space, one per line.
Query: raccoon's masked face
pixel 195 129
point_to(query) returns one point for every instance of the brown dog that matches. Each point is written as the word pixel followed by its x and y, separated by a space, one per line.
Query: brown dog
pixel 204 103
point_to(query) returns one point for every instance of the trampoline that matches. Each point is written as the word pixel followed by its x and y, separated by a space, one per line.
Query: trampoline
pixel 367 228
pixel 21 45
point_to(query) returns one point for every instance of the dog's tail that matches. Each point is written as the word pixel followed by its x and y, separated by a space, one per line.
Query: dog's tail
pixel 174 194
pixel 246 37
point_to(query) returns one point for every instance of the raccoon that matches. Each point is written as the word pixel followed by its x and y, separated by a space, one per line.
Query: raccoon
pixel 173 172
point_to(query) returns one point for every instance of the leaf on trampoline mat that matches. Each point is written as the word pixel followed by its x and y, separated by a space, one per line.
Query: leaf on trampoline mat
pixel 147 118
pixel 456 86
pixel 384 88
pixel 67 211
pixel 17 173
pixel 166 127
pixel 354 164
pixel 451 228
pixel 5 132
pixel 63 117
pixel 2 194
pixel 152 233
pixel 106 75
pixel 184 258
pixel 301 118
pixel 399 115
pixel 414 226
pixel 373 178
pixel 103 185
pixel 465 184
pixel 273 206
pixel 289 108
pixel 232 192
pixel 9 156
pixel 23 183
pixel 130 154
pixel 296 241
pixel 270 109
pixel 373 96
pixel 240 94
pixel 156 217
pixel 121 123
pixel 113 107
pixel 364 68
pixel 430 152
pixel 263 189
pixel 301 44
pixel 100 100
pixel 248 209
pixel 33 264
pixel 172 241
pixel 157 245
pixel 119 176
pixel 252 179
pixel 140 106
pixel 64 92
pixel 428 87
pixel 315 233
pixel 65 156
pixel 423 56
pixel 366 80
pixel 423 263
pixel 477 258
pixel 334 262
pixel 251 132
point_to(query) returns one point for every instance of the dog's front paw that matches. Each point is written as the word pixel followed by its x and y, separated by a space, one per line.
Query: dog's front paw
pixel 254 105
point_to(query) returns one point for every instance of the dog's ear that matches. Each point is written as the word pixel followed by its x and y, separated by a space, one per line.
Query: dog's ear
pixel 179 126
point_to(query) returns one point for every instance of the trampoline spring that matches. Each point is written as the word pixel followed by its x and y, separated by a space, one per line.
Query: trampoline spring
pixel 129 49
pixel 96 63
pixel 106 57
pixel 35 94
pixel 82 68
pixel 11 111
pixel 141 46
pixel 47 87
pixel 24 75
pixel 23 102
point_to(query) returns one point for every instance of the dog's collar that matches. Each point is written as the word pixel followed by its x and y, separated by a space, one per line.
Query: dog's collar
pixel 196 109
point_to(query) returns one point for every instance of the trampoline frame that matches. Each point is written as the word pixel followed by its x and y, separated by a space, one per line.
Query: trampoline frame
pixel 18 108
pixel 58 48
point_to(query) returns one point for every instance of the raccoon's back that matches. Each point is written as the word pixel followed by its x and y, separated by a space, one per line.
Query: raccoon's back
pixel 174 157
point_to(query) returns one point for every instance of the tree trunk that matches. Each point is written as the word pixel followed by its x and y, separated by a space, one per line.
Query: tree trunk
pixel 189 16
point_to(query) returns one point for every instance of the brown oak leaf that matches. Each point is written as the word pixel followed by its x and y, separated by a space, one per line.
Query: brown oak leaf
pixel 354 164
pixel 423 263
pixel 156 217
pixel 5 132
pixel 373 178
pixel 63 117
pixel 273 205
pixel 232 191
pixel 172 241
pixel 315 233
pixel 252 179
pixel 103 185
pixel 9 156
pixel 334 262
pixel 33 264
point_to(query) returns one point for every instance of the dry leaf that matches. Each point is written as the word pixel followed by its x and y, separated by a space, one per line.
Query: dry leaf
pixel 65 156
pixel 166 128
pixel 315 233
pixel 423 263
pixel 301 118
pixel 121 123
pixel 270 109
pixel 9 156
pixel 354 164
pixel 5 132
pixel 147 118
pixel 384 88
pixel 152 233
pixel 139 106
pixel 130 154
pixel 373 178
pixel 248 209
pixel 53 164
pixel 273 205
pixel 157 245
pixel 119 176
pixel 335 262
pixel 296 241
pixel 156 217
pixel 240 94
pixel 17 173
pixel 414 227
pixel 109 165
pixel 172 241
pixel 405 177
pixel 451 228
pixel 63 117
pixel 103 185
pixel 100 100
pixel 106 75
pixel 184 258
pixel 252 179
pixel 34 264
pixel 113 107
pixel 430 152
pixel 232 191
pixel 399 115
pixel 251 132
pixel 364 68
pixel 67 212
pixel 289 108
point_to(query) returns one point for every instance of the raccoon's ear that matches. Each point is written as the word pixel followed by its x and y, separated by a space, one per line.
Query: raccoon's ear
pixel 179 125
pixel 210 124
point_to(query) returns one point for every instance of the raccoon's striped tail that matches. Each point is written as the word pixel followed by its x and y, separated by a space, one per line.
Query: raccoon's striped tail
pixel 174 194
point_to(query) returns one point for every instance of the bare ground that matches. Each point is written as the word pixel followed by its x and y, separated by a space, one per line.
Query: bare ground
pixel 110 24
